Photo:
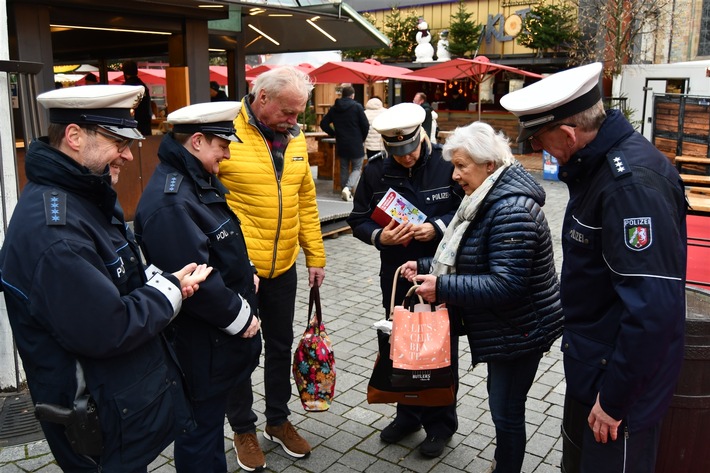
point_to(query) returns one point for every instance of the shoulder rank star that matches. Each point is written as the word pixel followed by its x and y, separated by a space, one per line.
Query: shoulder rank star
pixel 617 163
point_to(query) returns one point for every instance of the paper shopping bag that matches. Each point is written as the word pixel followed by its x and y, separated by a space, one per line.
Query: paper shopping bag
pixel 421 336
pixel 314 361
pixel 389 385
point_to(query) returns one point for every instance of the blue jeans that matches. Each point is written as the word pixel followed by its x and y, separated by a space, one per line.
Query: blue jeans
pixel 508 386
pixel 348 178
pixel 277 304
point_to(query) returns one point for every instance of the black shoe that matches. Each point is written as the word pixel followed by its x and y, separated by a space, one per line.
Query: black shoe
pixel 433 446
pixel 394 432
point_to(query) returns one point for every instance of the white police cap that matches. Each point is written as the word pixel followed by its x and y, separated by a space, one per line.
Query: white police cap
pixel 554 98
pixel 399 126
pixel 214 118
pixel 106 106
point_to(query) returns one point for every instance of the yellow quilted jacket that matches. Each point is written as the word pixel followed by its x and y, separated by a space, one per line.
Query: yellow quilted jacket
pixel 277 217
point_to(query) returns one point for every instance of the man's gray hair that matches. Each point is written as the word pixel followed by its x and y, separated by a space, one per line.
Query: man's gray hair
pixel 590 119
pixel 480 142
pixel 283 78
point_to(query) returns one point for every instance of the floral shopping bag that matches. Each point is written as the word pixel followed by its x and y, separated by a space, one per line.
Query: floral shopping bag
pixel 314 362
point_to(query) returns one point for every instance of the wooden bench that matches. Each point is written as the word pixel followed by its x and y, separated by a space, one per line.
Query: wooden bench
pixel 690 160
pixel 699 200
pixel 695 180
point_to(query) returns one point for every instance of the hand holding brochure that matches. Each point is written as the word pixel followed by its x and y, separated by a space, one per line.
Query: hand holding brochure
pixel 395 207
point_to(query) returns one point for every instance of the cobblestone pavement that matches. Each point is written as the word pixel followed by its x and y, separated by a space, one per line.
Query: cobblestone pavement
pixel 346 438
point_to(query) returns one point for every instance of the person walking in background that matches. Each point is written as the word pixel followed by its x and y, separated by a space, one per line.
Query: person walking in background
pixel 414 168
pixel 216 92
pixel 623 272
pixel 373 141
pixel 457 101
pixel 495 271
pixel 420 99
pixel 143 113
pixel 183 215
pixel 347 122
pixel 86 315
pixel 273 194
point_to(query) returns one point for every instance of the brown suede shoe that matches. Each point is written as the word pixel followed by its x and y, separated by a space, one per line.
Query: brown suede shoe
pixel 286 435
pixel 249 454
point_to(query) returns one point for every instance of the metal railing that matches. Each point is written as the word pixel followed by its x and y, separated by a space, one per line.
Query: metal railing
pixel 22 83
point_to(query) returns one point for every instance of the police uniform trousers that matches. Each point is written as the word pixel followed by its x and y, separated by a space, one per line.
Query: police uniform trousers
pixel 202 449
pixel 629 453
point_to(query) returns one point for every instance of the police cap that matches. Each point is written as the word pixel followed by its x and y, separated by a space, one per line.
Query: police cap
pixel 554 98
pixel 213 118
pixel 400 127
pixel 106 106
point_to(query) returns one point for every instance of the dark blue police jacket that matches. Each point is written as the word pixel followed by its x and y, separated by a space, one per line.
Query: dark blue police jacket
pixel 183 216
pixel 428 185
pixel 623 276
pixel 76 291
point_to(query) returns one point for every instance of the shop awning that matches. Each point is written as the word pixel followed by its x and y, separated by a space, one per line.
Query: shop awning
pixel 83 29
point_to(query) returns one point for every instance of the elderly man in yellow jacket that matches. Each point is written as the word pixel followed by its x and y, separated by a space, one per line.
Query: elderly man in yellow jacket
pixel 273 194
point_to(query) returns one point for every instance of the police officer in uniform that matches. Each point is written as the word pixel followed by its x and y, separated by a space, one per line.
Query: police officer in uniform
pixel 86 316
pixel 183 215
pixel 414 168
pixel 623 275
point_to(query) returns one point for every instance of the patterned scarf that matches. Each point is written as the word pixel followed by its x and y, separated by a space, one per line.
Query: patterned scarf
pixel 277 143
pixel 445 258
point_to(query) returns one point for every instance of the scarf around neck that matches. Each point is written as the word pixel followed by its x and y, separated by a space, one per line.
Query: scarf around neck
pixel 445 258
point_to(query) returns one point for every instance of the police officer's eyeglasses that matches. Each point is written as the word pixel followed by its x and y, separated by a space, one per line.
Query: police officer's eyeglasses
pixel 121 143
pixel 535 138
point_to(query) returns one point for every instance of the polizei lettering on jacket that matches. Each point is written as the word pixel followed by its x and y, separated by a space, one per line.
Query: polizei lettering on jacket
pixel 121 270
pixel 578 236
pixel 222 234
pixel 441 196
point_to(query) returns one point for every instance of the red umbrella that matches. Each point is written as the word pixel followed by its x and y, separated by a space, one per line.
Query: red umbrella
pixel 478 69
pixel 149 76
pixel 367 72
pixel 260 69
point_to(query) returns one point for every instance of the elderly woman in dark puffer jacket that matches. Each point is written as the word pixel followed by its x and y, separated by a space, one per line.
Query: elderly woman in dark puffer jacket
pixel 494 269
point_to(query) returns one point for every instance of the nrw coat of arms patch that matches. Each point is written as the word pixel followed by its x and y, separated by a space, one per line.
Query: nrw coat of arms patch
pixel 637 233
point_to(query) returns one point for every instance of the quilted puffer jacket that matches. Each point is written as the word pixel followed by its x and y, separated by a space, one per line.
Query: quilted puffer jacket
pixel 505 293
pixel 278 215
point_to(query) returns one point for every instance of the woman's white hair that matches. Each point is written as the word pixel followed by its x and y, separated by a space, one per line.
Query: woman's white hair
pixel 480 142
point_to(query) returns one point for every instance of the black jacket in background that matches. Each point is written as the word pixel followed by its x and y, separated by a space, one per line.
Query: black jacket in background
pixel 347 122
pixel 142 113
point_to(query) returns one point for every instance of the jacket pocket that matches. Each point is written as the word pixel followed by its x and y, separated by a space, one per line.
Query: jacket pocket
pixel 146 421
pixel 586 361
pixel 233 358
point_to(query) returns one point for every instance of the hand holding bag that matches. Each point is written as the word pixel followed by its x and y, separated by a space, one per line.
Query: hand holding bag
pixel 428 387
pixel 314 361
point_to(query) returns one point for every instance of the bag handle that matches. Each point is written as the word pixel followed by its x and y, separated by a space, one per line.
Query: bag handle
pixel 407 298
pixel 314 299
pixel 409 303
pixel 394 290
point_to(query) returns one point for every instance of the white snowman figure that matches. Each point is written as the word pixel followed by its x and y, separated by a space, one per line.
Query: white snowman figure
pixel 424 50
pixel 442 51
